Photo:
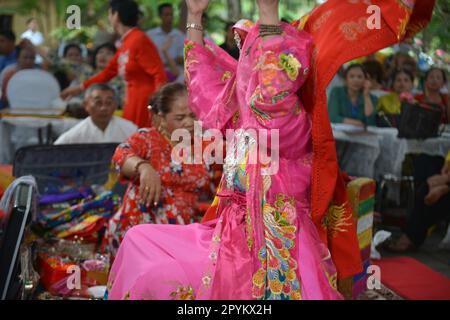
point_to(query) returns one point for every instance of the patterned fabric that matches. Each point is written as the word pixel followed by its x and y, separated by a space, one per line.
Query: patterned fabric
pixel 83 219
pixel 182 185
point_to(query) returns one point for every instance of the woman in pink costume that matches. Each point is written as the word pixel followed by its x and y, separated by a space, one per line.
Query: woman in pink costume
pixel 277 230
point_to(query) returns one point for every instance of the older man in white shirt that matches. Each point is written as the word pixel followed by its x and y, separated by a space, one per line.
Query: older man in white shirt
pixel 101 126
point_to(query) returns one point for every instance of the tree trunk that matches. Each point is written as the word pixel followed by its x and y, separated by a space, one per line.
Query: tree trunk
pixel 234 10
pixel 183 16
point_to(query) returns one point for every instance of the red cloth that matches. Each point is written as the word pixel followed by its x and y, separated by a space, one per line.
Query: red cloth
pixel 340 33
pixel 138 61
pixel 413 280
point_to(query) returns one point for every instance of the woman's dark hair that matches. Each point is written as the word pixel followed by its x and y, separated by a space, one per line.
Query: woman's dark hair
pixel 128 11
pixel 8 34
pixel 444 74
pixel 400 71
pixel 108 45
pixel 228 25
pixel 354 66
pixel 374 69
pixel 70 46
pixel 162 101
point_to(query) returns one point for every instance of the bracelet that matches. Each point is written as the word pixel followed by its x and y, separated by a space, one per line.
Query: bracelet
pixel 136 167
pixel 270 29
pixel 194 26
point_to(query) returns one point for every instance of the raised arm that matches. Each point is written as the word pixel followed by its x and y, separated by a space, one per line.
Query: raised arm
pixel 195 11
pixel 209 73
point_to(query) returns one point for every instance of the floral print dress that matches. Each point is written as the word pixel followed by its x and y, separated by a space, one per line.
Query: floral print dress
pixel 182 185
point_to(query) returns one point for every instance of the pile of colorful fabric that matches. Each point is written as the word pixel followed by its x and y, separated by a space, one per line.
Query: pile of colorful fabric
pixel 78 214
pixel 361 194
pixel 67 233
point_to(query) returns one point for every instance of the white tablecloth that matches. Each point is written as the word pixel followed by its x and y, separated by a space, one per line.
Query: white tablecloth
pixel 379 151
pixel 357 152
pixel 394 150
pixel 18 131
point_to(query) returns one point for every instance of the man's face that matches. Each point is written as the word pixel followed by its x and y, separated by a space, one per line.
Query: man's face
pixel 100 105
pixel 6 45
pixel 167 17
pixel 33 25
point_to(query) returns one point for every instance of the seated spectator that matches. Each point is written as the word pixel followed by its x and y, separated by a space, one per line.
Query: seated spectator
pixel 102 56
pixel 34 35
pixel 230 44
pixel 101 126
pixel 402 83
pixel 432 205
pixel 353 104
pixel 72 61
pixel 26 59
pixel 161 190
pixel 399 61
pixel 376 76
pixel 8 54
pixel 435 81
pixel 165 34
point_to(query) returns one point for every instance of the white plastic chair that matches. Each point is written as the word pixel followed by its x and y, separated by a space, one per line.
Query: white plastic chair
pixel 32 89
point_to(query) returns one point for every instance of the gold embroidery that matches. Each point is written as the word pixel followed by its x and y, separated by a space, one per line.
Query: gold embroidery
pixel 183 293
pixel 321 20
pixel 352 29
pixel 235 117
pixel 226 75
pixel 336 219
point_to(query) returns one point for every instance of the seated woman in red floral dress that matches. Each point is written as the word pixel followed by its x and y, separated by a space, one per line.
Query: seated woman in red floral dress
pixel 160 189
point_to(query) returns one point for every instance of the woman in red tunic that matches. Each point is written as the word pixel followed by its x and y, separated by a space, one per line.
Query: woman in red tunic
pixel 435 81
pixel 161 190
pixel 136 60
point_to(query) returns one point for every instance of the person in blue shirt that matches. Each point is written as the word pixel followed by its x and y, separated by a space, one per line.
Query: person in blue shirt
pixel 8 52
pixel 353 103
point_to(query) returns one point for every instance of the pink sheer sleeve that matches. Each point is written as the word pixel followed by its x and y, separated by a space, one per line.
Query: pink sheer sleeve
pixel 210 77
pixel 280 66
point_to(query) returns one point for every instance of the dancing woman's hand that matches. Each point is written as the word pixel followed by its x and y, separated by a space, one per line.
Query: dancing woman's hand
pixel 197 7
pixel 195 12
pixel 268 11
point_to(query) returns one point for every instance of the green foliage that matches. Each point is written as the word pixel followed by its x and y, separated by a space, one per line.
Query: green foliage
pixel 94 12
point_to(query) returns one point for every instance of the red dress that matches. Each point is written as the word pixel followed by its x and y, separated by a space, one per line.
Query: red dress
pixel 182 186
pixel 421 98
pixel 137 61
